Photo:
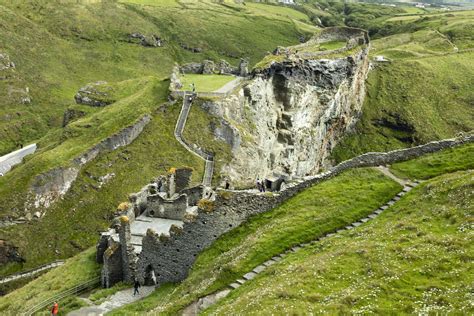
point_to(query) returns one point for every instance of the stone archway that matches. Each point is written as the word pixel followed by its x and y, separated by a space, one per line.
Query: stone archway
pixel 150 278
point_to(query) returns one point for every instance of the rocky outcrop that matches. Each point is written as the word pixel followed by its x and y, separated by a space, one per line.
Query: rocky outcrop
pixel 5 63
pixel 147 41
pixel 9 253
pixel 290 116
pixel 94 94
pixel 48 187
pixel 72 115
pixel 210 67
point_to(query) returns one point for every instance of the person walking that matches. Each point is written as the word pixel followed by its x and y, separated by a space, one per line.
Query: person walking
pixel 55 309
pixel 259 185
pixel 136 285
pixel 227 184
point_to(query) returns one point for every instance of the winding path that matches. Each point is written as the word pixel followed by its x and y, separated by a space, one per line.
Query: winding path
pixel 204 302
pixel 117 300
pixel 178 133
pixel 32 272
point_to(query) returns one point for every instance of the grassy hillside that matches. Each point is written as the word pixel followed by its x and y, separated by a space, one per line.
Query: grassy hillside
pixel 75 271
pixel 75 43
pixel 413 101
pixel 423 93
pixel 414 258
pixel 312 213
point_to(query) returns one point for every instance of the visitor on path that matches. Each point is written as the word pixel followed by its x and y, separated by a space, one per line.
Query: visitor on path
pixel 259 185
pixel 136 285
pixel 55 309
pixel 193 87
pixel 227 184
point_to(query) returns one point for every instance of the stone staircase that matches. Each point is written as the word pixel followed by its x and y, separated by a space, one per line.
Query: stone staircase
pixel 202 303
pixel 188 98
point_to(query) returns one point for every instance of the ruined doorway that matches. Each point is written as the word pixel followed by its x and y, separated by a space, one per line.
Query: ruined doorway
pixel 150 278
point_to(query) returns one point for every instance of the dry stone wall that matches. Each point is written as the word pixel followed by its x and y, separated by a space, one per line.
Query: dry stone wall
pixel 48 187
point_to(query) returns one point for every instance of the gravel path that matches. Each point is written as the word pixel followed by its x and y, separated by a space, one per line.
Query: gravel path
pixel 229 86
pixel 117 300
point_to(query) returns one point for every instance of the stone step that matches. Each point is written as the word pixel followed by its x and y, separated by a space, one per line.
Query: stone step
pixel 349 227
pixel 276 258
pixel 259 269
pixel 372 215
pixel 241 281
pixel 296 248
pixel 397 198
pixel 269 263
pixel 249 276
pixel 365 220
pixel 407 189
pixel 384 207
pixel 339 231
pixel 356 224
pixel 330 234
pixel 234 285
pixel 378 211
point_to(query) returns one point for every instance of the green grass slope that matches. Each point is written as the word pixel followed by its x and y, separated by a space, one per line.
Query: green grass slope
pixel 413 101
pixel 312 213
pixel 75 271
pixel 413 259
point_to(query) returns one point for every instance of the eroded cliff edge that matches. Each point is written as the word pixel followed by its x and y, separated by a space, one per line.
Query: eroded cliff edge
pixel 298 104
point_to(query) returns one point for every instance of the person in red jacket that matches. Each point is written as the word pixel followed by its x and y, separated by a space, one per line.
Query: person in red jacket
pixel 55 309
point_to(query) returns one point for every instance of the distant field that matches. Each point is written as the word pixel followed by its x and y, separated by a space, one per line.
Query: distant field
pixel 204 83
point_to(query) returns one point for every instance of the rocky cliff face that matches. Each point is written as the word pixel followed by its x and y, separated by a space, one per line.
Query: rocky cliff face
pixel 288 118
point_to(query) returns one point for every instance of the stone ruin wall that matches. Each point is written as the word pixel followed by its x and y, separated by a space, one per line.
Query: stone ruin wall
pixel 171 256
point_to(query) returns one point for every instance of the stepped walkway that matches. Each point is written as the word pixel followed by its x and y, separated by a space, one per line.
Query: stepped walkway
pixel 115 301
pixel 196 307
pixel 178 133
pixel 32 272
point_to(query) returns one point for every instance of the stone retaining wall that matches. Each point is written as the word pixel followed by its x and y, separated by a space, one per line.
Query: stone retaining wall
pixel 53 184
pixel 172 256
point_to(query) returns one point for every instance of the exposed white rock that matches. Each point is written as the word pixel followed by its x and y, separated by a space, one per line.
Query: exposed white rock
pixel 288 118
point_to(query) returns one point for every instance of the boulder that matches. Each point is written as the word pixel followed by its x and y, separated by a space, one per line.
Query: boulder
pixel 94 94
pixel 208 67
pixel 191 68
pixel 223 67
pixel 147 41
pixel 5 62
